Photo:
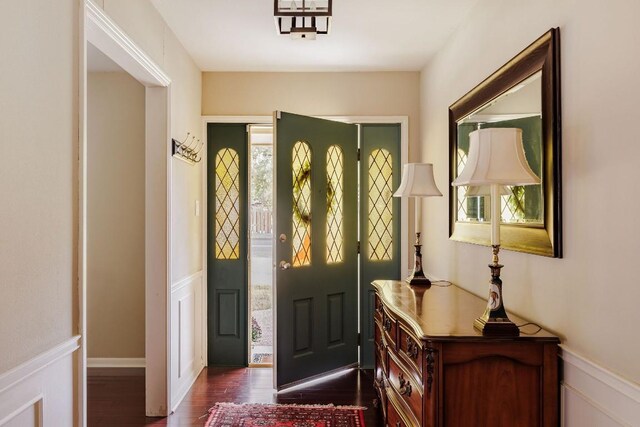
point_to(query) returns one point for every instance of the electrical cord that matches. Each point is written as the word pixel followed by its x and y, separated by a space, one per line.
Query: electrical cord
pixel 445 283
pixel 441 283
pixel 527 324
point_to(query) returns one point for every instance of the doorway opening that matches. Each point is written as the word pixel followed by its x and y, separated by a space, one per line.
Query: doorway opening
pixel 261 245
pixel 115 216
pixel 155 169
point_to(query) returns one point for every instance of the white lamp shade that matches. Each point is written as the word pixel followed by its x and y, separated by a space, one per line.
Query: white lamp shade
pixel 485 190
pixel 417 181
pixel 496 156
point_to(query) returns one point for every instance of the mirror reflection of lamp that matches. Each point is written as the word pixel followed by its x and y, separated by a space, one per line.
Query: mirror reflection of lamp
pixel 496 158
pixel 417 181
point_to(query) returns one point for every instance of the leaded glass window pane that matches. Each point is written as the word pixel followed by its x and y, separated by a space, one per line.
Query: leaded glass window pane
pixel 301 215
pixel 512 205
pixel 380 205
pixel 335 176
pixel 462 190
pixel 227 194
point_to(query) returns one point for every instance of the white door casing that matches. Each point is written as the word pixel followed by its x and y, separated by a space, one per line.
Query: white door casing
pixel 98 29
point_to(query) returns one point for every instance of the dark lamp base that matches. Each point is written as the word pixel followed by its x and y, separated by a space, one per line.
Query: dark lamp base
pixel 496 327
pixel 418 280
pixel 417 277
pixel 495 322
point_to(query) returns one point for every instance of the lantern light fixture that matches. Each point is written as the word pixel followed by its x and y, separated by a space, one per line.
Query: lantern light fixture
pixel 303 19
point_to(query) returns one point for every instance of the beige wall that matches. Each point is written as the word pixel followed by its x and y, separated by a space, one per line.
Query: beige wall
pixel 38 176
pixel 590 297
pixel 331 94
pixel 115 206
pixel 142 22
pixel 39 81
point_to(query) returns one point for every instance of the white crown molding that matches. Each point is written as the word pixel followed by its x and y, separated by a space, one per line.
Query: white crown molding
pixel 41 361
pixel 108 37
pixel 115 362
pixel 606 391
pixel 254 120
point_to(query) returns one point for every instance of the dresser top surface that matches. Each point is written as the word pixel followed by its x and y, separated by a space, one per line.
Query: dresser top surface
pixel 445 312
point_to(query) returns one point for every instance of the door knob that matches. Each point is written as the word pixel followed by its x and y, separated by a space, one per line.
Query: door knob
pixel 283 238
pixel 284 265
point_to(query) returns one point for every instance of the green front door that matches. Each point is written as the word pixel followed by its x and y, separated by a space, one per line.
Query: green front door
pixel 227 244
pixel 379 223
pixel 316 247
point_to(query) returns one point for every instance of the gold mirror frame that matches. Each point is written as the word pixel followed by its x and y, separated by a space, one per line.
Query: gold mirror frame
pixel 542 55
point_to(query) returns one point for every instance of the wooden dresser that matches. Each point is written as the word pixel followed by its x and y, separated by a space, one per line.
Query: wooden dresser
pixel 434 369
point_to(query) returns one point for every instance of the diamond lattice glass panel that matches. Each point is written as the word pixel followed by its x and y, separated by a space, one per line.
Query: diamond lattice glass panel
pixel 301 236
pixel 380 205
pixel 462 190
pixel 227 228
pixel 512 205
pixel 335 174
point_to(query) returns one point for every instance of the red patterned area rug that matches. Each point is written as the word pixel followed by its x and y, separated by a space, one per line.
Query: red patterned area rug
pixel 259 415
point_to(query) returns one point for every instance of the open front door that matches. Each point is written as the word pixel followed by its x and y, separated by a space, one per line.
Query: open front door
pixel 316 247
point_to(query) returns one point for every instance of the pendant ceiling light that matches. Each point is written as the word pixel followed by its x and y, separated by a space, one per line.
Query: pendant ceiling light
pixel 303 19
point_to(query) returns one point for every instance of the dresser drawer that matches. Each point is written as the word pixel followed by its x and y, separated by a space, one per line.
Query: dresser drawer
pixel 393 417
pixel 381 349
pixel 377 308
pixel 406 387
pixel 390 328
pixel 411 349
pixel 380 384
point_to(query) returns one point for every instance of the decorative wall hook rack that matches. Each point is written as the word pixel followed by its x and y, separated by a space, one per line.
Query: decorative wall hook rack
pixel 187 150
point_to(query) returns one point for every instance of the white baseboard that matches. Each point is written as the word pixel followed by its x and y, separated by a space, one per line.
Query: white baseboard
pixel 594 395
pixel 115 362
pixel 40 392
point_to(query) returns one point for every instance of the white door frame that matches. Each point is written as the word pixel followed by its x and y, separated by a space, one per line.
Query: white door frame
pixel 403 121
pixel 98 29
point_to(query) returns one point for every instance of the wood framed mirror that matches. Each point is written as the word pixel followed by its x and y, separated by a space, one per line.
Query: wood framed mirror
pixel 523 93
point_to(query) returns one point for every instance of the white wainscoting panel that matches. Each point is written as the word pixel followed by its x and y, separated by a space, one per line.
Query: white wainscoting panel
pixel 187 347
pixel 40 392
pixel 186 335
pixel 593 396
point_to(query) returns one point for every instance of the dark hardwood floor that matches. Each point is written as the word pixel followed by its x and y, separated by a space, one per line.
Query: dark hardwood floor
pixel 117 399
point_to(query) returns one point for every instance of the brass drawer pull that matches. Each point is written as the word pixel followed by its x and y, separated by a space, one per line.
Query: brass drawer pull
pixel 405 386
pixel 412 348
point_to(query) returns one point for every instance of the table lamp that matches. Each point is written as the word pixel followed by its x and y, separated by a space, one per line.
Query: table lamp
pixel 417 181
pixel 496 158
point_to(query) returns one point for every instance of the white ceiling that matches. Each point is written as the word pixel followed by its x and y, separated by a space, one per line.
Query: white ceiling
pixel 366 35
